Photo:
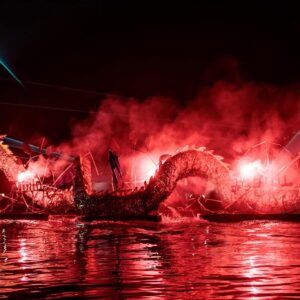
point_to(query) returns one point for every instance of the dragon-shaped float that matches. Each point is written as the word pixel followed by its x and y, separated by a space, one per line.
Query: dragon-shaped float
pixel 233 195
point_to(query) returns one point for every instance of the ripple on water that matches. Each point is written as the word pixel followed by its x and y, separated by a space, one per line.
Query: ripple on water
pixel 64 258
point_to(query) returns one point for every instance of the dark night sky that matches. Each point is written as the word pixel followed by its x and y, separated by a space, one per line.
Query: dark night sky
pixel 135 48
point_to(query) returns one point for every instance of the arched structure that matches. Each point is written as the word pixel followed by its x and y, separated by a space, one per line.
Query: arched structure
pixel 196 162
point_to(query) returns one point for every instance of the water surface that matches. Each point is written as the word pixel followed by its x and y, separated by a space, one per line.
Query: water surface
pixel 192 259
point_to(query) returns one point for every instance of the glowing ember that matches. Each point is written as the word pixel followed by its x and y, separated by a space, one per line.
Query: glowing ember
pixel 251 170
pixel 25 176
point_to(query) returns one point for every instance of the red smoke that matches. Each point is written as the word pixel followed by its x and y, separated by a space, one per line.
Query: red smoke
pixel 226 117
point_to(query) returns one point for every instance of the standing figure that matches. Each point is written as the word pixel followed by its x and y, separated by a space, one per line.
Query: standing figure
pixel 115 167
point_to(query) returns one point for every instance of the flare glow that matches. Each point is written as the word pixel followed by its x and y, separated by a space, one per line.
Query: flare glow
pixel 25 176
pixel 251 170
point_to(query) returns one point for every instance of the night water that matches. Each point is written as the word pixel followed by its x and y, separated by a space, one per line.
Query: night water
pixel 177 259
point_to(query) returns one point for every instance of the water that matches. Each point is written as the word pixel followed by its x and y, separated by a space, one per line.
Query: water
pixel 69 259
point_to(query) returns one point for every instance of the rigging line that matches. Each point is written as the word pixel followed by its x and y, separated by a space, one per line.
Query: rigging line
pixel 47 107
pixel 97 112
pixel 66 109
pixel 66 88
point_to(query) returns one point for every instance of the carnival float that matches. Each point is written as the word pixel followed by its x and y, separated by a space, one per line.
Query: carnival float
pixel 253 187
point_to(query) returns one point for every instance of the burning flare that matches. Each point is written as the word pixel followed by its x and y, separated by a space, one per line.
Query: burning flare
pixel 251 170
pixel 25 176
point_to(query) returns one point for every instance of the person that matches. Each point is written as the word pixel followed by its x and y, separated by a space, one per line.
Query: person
pixel 113 160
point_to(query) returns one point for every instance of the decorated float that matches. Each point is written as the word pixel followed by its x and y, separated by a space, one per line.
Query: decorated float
pixel 263 183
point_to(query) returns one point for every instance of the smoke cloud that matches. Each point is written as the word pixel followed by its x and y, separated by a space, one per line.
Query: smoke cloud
pixel 226 117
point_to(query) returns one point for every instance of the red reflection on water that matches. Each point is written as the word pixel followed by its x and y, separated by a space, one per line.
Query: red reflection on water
pixel 189 260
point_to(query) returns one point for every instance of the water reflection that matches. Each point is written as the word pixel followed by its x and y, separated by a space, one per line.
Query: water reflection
pixel 191 260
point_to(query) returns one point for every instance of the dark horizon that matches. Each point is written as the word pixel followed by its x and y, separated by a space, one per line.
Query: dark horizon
pixel 134 50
